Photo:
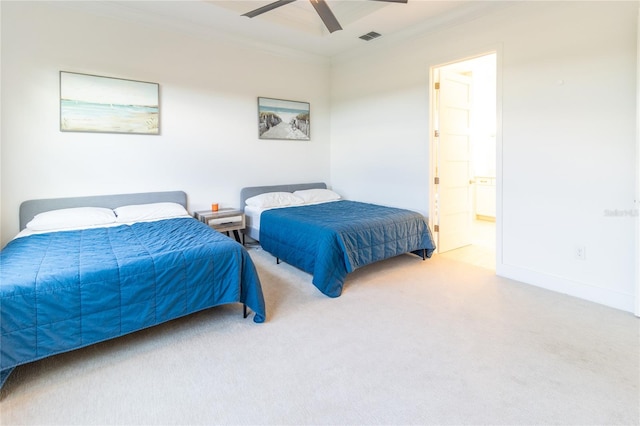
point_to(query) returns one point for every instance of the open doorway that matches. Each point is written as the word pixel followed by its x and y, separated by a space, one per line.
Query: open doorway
pixel 463 152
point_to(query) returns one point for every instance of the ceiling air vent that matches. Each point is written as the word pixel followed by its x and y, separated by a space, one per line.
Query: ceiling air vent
pixel 370 36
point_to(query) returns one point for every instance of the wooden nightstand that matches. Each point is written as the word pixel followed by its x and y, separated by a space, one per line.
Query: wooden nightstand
pixel 224 220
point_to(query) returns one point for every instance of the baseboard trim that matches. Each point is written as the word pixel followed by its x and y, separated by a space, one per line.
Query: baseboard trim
pixel 610 298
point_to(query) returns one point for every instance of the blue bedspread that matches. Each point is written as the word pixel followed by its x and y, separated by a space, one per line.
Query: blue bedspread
pixel 329 240
pixel 65 290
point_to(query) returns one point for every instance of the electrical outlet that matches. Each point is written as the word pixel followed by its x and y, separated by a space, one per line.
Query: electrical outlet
pixel 580 252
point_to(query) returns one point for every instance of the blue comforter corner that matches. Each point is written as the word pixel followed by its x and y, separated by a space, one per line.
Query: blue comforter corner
pixel 65 290
pixel 329 240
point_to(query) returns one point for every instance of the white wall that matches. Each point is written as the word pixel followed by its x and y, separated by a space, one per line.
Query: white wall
pixel 209 145
pixel 568 78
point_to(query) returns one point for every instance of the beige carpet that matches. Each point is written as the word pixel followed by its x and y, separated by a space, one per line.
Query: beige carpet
pixel 408 342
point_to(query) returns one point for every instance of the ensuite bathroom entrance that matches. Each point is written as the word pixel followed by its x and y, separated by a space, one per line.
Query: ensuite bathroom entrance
pixel 463 154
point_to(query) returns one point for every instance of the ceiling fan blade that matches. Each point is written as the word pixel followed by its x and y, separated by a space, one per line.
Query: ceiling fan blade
pixel 270 6
pixel 393 1
pixel 326 15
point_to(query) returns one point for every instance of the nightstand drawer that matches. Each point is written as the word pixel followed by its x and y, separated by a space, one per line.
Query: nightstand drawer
pixel 223 220
pixel 235 220
pixel 234 223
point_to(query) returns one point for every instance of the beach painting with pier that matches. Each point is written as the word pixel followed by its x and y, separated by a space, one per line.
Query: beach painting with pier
pixel 281 119
pixel 90 103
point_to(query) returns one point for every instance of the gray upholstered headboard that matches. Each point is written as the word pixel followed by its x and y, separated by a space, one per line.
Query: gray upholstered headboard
pixel 252 191
pixel 30 208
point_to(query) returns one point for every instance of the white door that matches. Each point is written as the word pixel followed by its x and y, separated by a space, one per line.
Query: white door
pixel 453 162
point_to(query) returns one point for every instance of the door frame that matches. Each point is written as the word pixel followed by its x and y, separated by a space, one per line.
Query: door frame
pixel 637 200
pixel 433 154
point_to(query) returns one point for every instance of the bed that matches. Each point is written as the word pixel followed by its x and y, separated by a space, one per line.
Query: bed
pixel 314 229
pixel 87 269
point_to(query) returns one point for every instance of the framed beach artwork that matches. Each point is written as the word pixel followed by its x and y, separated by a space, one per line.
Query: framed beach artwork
pixel 90 103
pixel 281 119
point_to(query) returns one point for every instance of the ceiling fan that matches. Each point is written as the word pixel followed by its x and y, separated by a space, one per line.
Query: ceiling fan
pixel 321 7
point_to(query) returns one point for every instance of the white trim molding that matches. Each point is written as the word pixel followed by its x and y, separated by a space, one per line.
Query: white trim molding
pixel 599 295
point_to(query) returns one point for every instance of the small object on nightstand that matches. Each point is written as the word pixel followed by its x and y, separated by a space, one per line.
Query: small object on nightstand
pixel 223 220
pixel 214 207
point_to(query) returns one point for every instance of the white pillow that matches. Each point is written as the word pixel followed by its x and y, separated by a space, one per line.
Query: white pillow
pixel 152 211
pixel 274 199
pixel 76 217
pixel 317 195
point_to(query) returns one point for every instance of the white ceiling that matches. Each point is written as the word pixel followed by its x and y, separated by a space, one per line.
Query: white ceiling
pixel 295 26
